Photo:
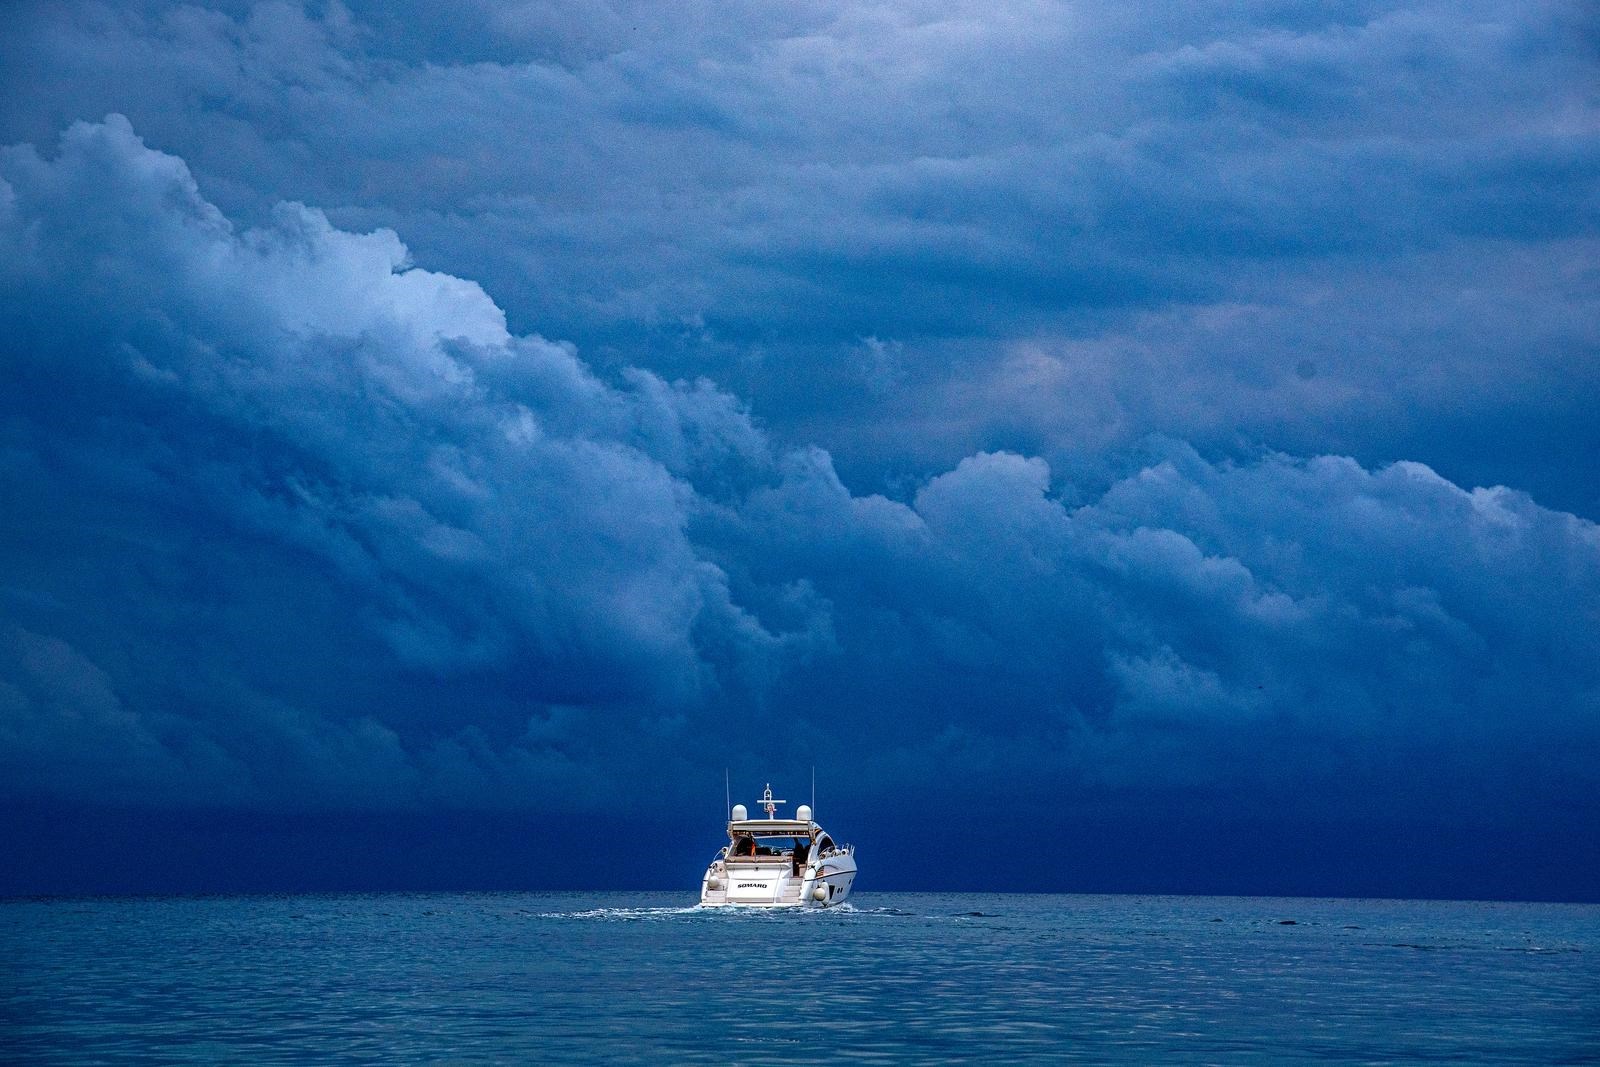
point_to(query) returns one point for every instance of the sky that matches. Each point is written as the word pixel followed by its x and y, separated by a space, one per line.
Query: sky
pixel 1135 447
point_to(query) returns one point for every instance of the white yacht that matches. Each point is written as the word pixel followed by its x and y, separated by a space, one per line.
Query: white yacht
pixel 778 863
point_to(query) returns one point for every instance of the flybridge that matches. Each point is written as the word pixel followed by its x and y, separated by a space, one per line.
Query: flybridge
pixel 771 826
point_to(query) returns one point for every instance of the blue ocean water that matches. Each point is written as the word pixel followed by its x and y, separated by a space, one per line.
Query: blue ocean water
pixel 892 978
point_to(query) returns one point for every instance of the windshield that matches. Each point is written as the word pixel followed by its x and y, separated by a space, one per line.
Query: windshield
pixel 746 845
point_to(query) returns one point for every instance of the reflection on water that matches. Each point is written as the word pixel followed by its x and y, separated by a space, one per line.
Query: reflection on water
pixel 888 978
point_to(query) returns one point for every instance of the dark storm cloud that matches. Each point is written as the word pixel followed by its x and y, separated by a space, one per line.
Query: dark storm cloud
pixel 1279 624
pixel 1101 195
pixel 295 397
pixel 292 522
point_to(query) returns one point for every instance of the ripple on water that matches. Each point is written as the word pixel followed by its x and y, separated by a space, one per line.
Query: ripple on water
pixel 886 978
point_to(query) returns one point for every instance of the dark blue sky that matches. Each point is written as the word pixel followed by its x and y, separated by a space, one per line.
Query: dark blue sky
pixel 1158 442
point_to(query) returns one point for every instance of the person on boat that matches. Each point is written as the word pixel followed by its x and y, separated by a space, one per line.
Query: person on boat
pixel 802 849
pixel 744 845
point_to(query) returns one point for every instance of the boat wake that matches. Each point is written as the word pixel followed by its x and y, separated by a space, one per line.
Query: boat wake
pixel 622 914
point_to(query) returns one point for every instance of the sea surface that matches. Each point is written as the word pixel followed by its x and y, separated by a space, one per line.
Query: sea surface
pixel 890 978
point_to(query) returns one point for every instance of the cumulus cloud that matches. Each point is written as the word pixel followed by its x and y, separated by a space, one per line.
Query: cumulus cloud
pixel 1301 610
pixel 292 521
pixel 302 392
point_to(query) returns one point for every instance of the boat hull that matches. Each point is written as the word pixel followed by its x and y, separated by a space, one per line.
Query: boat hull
pixel 823 884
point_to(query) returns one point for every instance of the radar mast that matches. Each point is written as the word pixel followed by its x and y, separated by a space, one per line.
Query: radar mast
pixel 770 804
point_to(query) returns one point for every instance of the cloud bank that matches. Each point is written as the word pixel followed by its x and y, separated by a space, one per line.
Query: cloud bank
pixel 1134 422
pixel 914 231
pixel 291 523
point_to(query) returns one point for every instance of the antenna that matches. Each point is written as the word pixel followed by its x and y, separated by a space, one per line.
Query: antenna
pixel 813 790
pixel 727 793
